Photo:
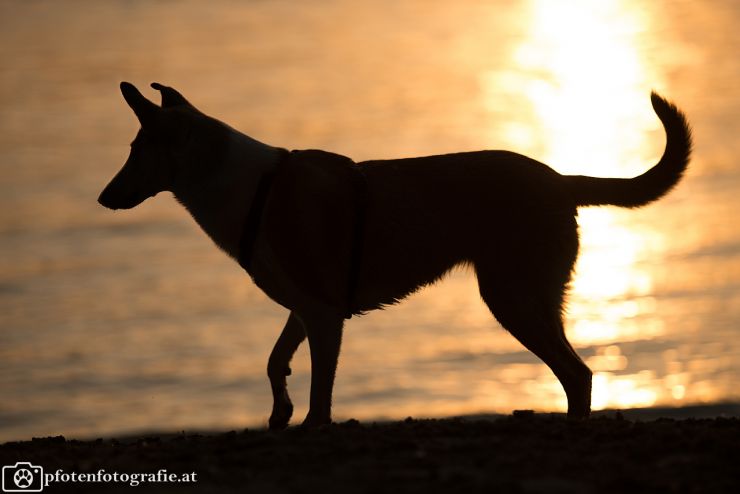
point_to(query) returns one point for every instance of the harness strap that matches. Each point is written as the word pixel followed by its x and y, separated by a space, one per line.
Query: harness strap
pixel 359 184
pixel 256 211
pixel 254 216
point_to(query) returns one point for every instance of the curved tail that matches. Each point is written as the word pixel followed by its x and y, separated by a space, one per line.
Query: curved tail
pixel 651 185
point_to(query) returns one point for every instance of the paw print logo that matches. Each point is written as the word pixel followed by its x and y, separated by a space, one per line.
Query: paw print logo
pixel 23 478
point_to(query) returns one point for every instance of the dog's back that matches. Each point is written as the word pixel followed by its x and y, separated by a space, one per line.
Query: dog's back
pixel 425 215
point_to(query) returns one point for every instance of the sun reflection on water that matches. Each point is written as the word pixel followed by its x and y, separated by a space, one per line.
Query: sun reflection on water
pixel 581 71
pixel 592 80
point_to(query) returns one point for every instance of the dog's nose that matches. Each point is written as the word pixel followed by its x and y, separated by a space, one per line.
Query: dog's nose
pixel 104 199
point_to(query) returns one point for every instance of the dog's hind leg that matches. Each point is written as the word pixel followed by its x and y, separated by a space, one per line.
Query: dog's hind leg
pixel 533 314
pixel 278 368
pixel 324 332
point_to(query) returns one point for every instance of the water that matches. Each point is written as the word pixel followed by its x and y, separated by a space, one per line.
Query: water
pixel 116 322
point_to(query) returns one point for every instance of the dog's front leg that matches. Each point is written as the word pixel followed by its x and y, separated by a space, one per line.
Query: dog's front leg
pixel 324 333
pixel 278 368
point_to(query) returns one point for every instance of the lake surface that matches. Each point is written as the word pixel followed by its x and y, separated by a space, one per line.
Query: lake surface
pixel 133 320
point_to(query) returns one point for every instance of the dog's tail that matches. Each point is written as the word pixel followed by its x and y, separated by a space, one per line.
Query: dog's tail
pixel 651 185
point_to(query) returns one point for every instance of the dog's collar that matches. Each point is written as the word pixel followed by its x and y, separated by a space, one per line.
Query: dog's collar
pixel 254 216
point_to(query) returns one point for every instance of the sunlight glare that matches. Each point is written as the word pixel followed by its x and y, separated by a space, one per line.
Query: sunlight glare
pixel 635 390
pixel 593 85
pixel 581 71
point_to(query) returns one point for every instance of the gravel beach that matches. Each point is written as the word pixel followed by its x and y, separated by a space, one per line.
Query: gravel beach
pixel 524 452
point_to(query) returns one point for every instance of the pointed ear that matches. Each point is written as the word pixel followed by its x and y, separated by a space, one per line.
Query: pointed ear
pixel 170 97
pixel 145 110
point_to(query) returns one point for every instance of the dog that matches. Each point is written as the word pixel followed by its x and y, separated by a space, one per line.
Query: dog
pixel 328 238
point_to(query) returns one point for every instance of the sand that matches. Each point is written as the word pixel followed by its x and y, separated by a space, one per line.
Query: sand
pixel 524 452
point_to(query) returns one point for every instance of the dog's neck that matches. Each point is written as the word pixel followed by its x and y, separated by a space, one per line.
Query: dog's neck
pixel 220 201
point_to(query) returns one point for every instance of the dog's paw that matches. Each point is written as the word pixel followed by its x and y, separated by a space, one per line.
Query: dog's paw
pixel 314 421
pixel 280 416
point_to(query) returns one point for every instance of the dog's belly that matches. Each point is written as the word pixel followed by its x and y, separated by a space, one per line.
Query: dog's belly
pixel 426 215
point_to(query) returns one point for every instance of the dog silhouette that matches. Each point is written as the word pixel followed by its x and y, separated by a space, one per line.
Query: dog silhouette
pixel 328 238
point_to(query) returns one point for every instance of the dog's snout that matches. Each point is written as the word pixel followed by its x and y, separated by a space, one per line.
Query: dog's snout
pixel 104 200
pixel 116 198
pixel 110 199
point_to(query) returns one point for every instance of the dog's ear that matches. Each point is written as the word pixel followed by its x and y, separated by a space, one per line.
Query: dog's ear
pixel 170 97
pixel 145 110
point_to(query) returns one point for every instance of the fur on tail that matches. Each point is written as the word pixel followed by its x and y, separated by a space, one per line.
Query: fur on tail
pixel 651 185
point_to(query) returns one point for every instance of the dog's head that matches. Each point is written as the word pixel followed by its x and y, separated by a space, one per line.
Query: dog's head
pixel 159 149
